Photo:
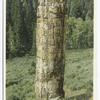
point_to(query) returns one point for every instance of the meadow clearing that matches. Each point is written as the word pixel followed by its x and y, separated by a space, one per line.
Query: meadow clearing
pixel 20 75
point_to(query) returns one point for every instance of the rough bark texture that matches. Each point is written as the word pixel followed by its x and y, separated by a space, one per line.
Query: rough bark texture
pixel 50 50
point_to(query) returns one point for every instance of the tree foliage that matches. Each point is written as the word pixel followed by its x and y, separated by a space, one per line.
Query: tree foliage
pixel 21 25
pixel 80 8
pixel 79 33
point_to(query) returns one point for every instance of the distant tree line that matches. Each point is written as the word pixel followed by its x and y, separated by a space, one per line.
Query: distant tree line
pixel 21 25
pixel 79 24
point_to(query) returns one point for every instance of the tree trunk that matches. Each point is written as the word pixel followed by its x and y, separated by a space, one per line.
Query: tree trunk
pixel 50 50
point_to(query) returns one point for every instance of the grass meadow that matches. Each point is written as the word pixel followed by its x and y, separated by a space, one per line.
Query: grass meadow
pixel 20 75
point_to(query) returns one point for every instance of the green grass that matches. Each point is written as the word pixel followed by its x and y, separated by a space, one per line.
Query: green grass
pixel 79 71
pixel 20 74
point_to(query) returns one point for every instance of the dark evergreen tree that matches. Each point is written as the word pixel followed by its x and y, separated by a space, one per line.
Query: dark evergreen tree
pixel 21 21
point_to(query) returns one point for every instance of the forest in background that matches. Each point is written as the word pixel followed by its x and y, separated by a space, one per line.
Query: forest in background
pixel 21 46
pixel 21 26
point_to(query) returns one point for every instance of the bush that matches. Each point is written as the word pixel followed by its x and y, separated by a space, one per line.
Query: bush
pixel 79 33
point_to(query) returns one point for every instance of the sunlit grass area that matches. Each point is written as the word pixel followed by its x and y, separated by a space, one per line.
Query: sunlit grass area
pixel 20 74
